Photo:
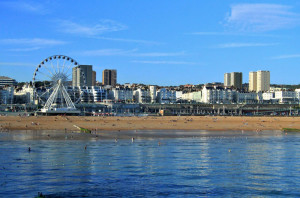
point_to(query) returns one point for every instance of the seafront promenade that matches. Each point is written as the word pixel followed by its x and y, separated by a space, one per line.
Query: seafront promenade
pixel 211 123
pixel 184 109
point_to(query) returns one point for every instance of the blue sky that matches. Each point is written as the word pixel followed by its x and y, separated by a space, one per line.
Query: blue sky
pixel 154 42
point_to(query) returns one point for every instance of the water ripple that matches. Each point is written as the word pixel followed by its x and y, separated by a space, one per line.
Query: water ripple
pixel 214 166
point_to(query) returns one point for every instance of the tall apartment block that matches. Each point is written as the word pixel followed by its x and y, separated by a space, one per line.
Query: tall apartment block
pixel 94 78
pixel 234 79
pixel 109 77
pixel 259 81
pixel 80 73
pixel 227 78
pixel 252 81
pixel 263 80
pixel 237 79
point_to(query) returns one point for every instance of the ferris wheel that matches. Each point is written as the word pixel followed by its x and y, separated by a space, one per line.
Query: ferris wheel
pixel 52 81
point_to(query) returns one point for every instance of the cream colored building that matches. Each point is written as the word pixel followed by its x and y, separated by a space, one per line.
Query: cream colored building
pixel 252 81
pixel 259 81
pixel 227 80
pixel 263 81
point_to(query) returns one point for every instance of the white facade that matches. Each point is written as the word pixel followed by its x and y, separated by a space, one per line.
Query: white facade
pixel 99 93
pixel 122 95
pixel 142 96
pixel 166 96
pixel 188 96
pixel 178 95
pixel 25 94
pixel 297 94
pixel 87 94
pixel 268 96
pixel 192 96
pixel 285 96
pixel 247 97
pixel 197 96
pixel 273 89
pixel 153 93
pixel 217 95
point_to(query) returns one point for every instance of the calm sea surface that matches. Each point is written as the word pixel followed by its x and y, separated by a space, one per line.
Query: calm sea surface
pixel 201 164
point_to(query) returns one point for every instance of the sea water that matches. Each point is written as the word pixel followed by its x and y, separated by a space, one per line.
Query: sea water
pixel 204 164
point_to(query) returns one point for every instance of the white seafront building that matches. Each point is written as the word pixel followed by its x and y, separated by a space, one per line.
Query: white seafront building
pixel 192 96
pixel 99 93
pixel 179 95
pixel 210 94
pixel 166 96
pixel 121 95
pixel 218 95
pixel 248 97
pixel 142 96
pixel 24 95
pixel 91 94
pixel 285 96
pixel 153 93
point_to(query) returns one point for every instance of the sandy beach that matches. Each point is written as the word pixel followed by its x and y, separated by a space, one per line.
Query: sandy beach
pixel 212 123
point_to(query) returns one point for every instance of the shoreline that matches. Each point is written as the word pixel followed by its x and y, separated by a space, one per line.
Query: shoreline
pixel 132 136
pixel 207 123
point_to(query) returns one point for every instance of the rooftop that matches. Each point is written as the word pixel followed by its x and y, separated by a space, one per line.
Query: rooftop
pixel 5 78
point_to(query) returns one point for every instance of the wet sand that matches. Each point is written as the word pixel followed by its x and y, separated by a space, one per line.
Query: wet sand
pixel 208 123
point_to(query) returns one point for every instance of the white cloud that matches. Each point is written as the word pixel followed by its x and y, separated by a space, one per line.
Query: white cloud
pixel 236 45
pixel 130 40
pixel 132 52
pixel 24 49
pixel 165 62
pixel 287 56
pixel 158 54
pixel 25 6
pixel 108 52
pixel 3 64
pixel 261 17
pixel 32 42
pixel 101 27
pixel 213 33
pixel 253 34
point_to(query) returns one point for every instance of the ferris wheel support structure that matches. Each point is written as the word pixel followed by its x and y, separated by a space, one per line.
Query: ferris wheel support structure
pixel 56 70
